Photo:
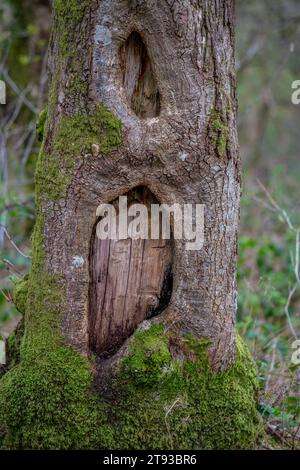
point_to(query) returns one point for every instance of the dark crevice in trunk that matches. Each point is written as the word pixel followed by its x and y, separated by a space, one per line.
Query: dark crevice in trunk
pixel 138 78
pixel 165 294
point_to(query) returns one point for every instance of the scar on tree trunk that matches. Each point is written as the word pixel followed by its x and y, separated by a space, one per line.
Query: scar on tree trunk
pixel 131 280
pixel 138 79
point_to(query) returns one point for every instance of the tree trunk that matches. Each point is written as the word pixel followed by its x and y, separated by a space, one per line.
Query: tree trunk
pixel 142 103
pixel 183 150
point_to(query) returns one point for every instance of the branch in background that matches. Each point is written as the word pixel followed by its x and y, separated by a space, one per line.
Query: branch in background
pixel 279 209
pixel 250 54
pixel 3 178
pixel 30 143
pixel 7 297
pixel 17 90
pixel 11 267
pixel 13 243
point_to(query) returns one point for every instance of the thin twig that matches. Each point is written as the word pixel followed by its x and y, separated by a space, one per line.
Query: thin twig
pixel 29 145
pixel 272 365
pixel 7 298
pixel 17 90
pixel 13 243
pixel 178 399
pixel 11 267
pixel 20 101
pixel 276 206
pixel 296 285
pixel 287 310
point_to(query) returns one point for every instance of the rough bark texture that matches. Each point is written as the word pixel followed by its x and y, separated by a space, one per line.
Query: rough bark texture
pixel 142 94
pixel 187 154
pixel 131 280
pixel 139 81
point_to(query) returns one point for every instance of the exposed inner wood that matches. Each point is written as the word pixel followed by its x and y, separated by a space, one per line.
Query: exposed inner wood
pixel 131 280
pixel 138 78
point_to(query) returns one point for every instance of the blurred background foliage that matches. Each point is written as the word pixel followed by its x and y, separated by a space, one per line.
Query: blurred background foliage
pixel 268 61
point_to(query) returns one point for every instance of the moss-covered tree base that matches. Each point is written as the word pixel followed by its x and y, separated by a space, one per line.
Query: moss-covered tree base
pixel 165 397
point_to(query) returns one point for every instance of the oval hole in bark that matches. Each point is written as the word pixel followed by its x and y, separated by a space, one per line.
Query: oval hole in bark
pixel 138 79
pixel 130 281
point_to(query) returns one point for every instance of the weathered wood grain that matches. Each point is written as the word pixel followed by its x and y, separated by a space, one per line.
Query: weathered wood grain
pixel 130 281
pixel 138 78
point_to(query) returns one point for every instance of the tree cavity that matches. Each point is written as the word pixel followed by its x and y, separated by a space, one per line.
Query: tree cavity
pixel 131 280
pixel 139 82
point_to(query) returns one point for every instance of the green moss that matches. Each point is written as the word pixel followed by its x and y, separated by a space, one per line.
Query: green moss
pixel 14 345
pixel 219 132
pixel 74 138
pixel 166 395
pixel 81 131
pixel 47 403
pixel 69 22
pixel 20 293
pixel 47 400
pixel 68 15
pixel 176 402
pixel 71 9
pixel 149 357
pixel 11 339
pixel 40 124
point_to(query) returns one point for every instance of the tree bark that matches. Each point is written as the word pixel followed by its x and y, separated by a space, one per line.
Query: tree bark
pixel 188 153
pixel 143 96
